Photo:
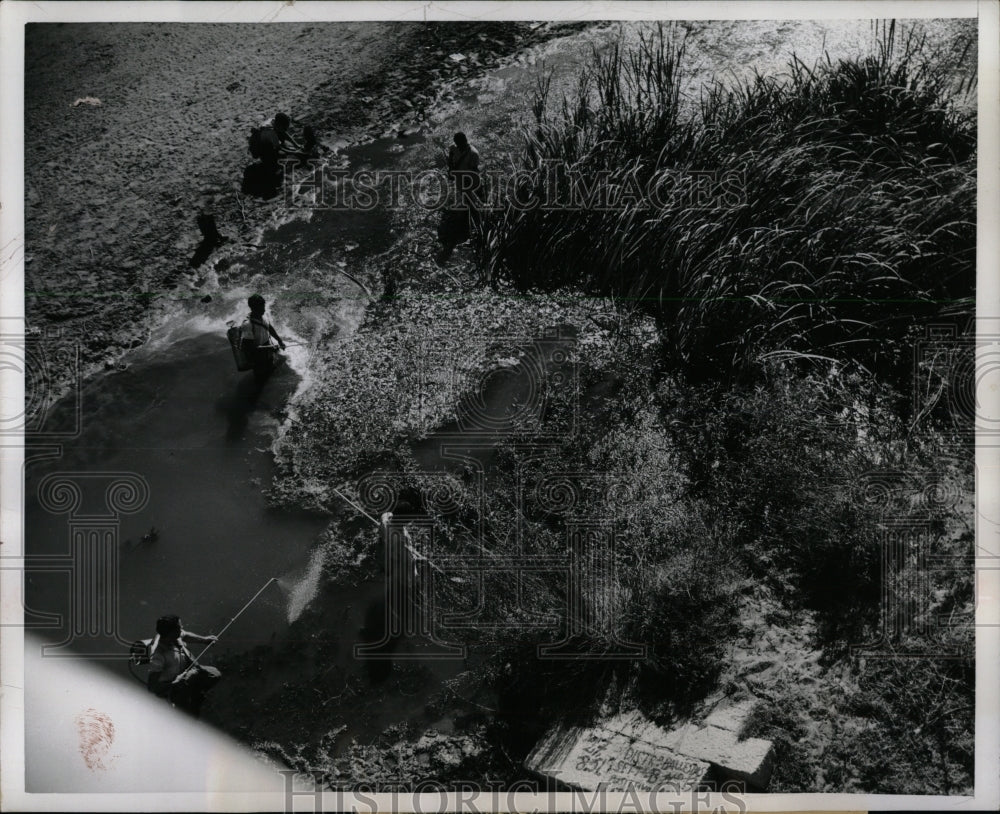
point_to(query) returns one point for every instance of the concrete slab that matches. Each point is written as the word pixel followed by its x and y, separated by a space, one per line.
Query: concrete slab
pixel 630 751
pixel 603 756
pixel 731 716
pixel 750 760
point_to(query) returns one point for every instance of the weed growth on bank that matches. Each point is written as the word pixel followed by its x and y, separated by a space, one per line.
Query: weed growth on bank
pixel 824 212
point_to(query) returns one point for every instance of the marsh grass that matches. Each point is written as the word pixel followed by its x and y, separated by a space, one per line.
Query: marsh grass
pixel 841 213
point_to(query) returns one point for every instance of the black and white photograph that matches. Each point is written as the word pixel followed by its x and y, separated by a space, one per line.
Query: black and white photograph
pixel 489 403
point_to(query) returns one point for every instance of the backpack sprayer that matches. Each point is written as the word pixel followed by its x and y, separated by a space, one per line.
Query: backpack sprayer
pixel 141 650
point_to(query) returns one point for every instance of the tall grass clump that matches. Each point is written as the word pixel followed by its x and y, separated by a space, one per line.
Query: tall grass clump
pixel 823 212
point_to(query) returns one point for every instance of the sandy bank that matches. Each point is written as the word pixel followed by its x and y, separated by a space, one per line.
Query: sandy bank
pixel 113 182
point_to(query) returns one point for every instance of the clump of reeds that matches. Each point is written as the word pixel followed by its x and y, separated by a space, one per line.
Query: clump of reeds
pixel 821 213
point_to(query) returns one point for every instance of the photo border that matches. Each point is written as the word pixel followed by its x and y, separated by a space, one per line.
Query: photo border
pixel 14 14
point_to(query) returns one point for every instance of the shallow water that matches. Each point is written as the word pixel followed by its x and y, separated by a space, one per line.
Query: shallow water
pixel 186 422
pixel 182 419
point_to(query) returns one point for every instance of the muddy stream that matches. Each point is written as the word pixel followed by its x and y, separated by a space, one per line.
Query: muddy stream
pixel 178 415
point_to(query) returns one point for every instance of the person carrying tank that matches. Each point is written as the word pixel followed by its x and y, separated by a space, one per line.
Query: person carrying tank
pixel 457 221
pixel 275 141
pixel 256 334
pixel 173 672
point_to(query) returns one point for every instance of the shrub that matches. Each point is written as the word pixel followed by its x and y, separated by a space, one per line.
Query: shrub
pixel 787 463
pixel 894 724
pixel 684 612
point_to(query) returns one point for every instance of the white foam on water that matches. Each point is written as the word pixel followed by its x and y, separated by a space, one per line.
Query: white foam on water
pixel 297 358
pixel 304 591
pixel 184 322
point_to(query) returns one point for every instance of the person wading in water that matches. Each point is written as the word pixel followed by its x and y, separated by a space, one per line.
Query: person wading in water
pixel 456 223
pixel 256 334
pixel 173 672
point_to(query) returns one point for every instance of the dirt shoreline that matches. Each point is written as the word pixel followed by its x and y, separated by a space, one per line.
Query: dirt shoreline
pixel 132 130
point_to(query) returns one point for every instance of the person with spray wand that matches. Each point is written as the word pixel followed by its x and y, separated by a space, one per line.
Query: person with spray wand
pixel 256 334
pixel 407 541
pixel 174 673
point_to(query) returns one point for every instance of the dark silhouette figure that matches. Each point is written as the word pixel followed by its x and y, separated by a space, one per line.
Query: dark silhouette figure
pixel 457 221
pixel 256 334
pixel 259 181
pixel 210 239
pixel 269 144
pixel 376 627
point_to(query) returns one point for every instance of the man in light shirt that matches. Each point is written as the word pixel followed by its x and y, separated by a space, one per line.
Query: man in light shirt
pixel 256 334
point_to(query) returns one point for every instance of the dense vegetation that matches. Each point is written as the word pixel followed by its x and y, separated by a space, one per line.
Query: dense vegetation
pixel 820 213
pixel 744 370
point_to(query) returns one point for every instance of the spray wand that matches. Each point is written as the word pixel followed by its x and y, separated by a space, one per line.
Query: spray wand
pixel 409 547
pixel 237 616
